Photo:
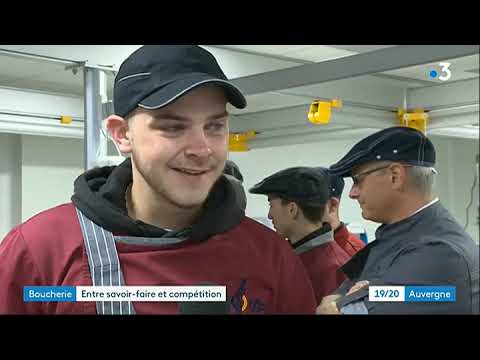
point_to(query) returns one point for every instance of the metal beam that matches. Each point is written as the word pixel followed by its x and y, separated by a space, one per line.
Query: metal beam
pixel 443 95
pixel 408 80
pixel 31 112
pixel 93 86
pixel 457 132
pixel 25 55
pixel 356 65
pixel 360 48
pixel 41 126
pixel 364 91
pixel 453 120
pixel 307 129
pixel 40 103
pixel 343 134
pixel 296 116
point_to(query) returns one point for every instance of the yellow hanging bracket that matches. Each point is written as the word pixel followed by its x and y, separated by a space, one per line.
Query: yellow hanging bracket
pixel 65 119
pixel 238 141
pixel 321 111
pixel 416 119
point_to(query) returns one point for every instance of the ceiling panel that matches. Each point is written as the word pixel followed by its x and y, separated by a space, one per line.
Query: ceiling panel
pixel 361 48
pixel 461 69
pixel 46 76
pixel 20 68
pixel 269 49
pixel 319 53
pixel 270 101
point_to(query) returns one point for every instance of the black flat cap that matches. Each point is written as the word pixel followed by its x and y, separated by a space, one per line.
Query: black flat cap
pixel 305 184
pixel 336 183
pixel 402 144
pixel 156 75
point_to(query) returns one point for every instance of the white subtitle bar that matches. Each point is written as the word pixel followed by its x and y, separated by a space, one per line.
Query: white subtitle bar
pixel 151 293
pixel 202 293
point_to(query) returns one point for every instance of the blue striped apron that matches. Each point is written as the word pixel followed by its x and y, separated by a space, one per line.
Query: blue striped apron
pixel 104 265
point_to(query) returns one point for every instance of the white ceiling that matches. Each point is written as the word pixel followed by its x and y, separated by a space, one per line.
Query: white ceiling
pixel 298 53
pixel 236 61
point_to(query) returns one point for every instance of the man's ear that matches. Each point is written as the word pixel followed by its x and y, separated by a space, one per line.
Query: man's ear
pixel 332 205
pixel 398 176
pixel 293 209
pixel 119 132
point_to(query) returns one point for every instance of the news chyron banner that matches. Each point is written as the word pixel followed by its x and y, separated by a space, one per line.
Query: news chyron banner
pixel 412 293
pixel 207 293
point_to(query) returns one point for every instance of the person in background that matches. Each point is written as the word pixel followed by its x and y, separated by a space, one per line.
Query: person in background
pixel 419 243
pixel 299 207
pixel 347 241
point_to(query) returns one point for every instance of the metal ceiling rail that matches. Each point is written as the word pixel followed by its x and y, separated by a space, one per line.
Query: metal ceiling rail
pixel 26 55
pixel 71 64
pixel 351 66
pixel 95 90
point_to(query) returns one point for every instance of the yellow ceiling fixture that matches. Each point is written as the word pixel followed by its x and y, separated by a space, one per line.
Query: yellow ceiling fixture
pixel 416 119
pixel 238 141
pixel 65 119
pixel 321 111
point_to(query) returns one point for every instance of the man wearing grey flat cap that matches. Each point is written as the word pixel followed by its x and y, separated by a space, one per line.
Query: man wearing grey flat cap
pixel 419 246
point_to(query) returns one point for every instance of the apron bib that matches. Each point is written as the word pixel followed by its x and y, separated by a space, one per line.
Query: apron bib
pixel 104 265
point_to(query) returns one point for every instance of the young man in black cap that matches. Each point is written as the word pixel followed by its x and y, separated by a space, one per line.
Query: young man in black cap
pixel 347 241
pixel 419 243
pixel 298 199
pixel 165 216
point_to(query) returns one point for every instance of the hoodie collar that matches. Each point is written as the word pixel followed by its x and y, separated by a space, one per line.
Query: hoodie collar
pixel 316 238
pixel 100 194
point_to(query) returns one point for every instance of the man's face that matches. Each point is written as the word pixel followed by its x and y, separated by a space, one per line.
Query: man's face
pixel 180 150
pixel 280 216
pixel 371 188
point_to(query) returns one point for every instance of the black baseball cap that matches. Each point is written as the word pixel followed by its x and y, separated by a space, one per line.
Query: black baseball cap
pixel 156 75
pixel 307 185
pixel 399 144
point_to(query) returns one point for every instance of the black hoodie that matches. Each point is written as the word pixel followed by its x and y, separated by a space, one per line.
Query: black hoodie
pixel 100 194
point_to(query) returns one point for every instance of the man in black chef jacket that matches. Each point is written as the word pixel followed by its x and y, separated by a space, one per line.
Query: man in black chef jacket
pixel 419 243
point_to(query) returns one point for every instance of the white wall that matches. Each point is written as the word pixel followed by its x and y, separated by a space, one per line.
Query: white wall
pixel 49 167
pixel 455 159
pixel 456 168
pixel 10 182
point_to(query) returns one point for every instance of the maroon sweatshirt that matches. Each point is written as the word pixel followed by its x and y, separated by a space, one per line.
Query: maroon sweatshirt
pixel 261 272
pixel 322 258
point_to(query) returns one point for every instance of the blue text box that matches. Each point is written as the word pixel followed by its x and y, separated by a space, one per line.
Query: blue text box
pixel 430 293
pixel 49 293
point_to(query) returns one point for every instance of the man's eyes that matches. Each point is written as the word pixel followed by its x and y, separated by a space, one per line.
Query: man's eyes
pixel 217 126
pixel 173 128
pixel 176 128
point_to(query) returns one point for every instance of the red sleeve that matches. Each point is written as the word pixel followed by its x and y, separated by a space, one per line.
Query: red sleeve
pixel 348 241
pixel 17 270
pixel 295 295
pixel 356 243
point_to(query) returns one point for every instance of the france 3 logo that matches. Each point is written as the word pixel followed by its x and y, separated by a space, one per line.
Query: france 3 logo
pixel 446 74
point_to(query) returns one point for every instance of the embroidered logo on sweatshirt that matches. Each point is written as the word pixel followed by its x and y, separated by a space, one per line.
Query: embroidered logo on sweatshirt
pixel 242 303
